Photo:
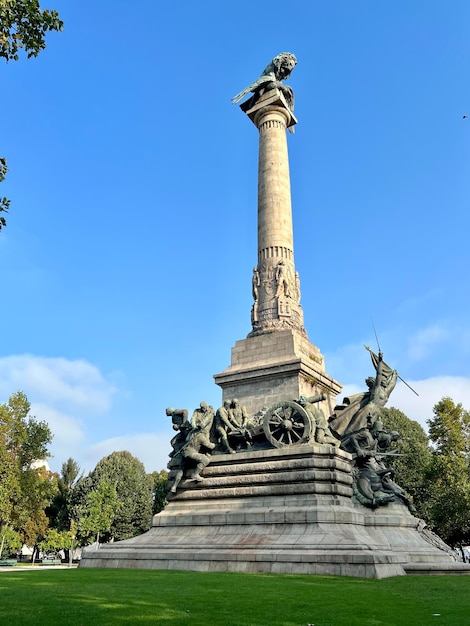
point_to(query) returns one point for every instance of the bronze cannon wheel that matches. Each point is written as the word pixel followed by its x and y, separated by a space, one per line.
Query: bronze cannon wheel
pixel 287 424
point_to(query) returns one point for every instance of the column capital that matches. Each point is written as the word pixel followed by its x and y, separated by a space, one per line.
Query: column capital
pixel 271 101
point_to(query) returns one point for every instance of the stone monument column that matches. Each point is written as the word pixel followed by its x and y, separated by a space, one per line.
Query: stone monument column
pixel 276 284
pixel 276 362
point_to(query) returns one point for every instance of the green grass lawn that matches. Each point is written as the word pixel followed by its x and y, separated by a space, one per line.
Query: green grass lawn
pixel 173 598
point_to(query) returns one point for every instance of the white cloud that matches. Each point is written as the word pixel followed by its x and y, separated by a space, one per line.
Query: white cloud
pixel 150 448
pixel 430 390
pixel 65 428
pixel 67 394
pixel 347 362
pixel 422 343
pixel 351 364
pixel 76 384
pixel 419 301
pixel 350 390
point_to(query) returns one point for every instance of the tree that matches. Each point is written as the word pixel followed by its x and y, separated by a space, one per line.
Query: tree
pixel 55 540
pixel 413 456
pixel 78 508
pixel 10 541
pixel 449 473
pixel 159 490
pixel 102 503
pixel 60 511
pixel 450 502
pixel 449 429
pixel 70 472
pixel 134 493
pixel 25 489
pixel 33 531
pixel 24 25
pixel 38 487
pixel 24 438
pixel 9 481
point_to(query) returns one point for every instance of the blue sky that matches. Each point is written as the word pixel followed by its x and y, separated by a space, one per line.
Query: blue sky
pixel 126 263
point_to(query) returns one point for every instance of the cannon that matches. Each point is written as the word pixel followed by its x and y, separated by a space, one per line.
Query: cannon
pixel 287 423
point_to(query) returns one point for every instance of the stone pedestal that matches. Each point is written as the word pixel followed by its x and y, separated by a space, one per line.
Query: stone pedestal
pixel 275 367
pixel 279 511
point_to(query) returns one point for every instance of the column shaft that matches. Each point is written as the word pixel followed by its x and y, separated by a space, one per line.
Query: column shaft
pixel 275 237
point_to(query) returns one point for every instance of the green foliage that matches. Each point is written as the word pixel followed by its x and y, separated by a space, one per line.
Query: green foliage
pixel 25 490
pixel 78 506
pixel 9 481
pixel 3 167
pixel 55 540
pixel 24 437
pixel 137 495
pixel 133 486
pixel 38 487
pixel 102 502
pixel 449 503
pixel 449 429
pixel 448 473
pixel 34 528
pixel 413 457
pixel 69 474
pixel 60 511
pixel 10 542
pixel 159 490
pixel 23 25
pixel 438 476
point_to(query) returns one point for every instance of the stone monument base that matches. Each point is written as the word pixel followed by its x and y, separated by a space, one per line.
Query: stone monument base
pixel 276 366
pixel 286 510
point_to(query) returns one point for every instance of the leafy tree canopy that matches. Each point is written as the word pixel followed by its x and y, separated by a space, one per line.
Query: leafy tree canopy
pixel 159 489
pixel 449 428
pixel 9 483
pixel 34 528
pixel 60 511
pixel 24 437
pixel 449 472
pixel 101 504
pixel 78 508
pixel 55 540
pixel 10 542
pixel 25 490
pixel 413 456
pixel 134 493
pixel 69 474
pixel 23 25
